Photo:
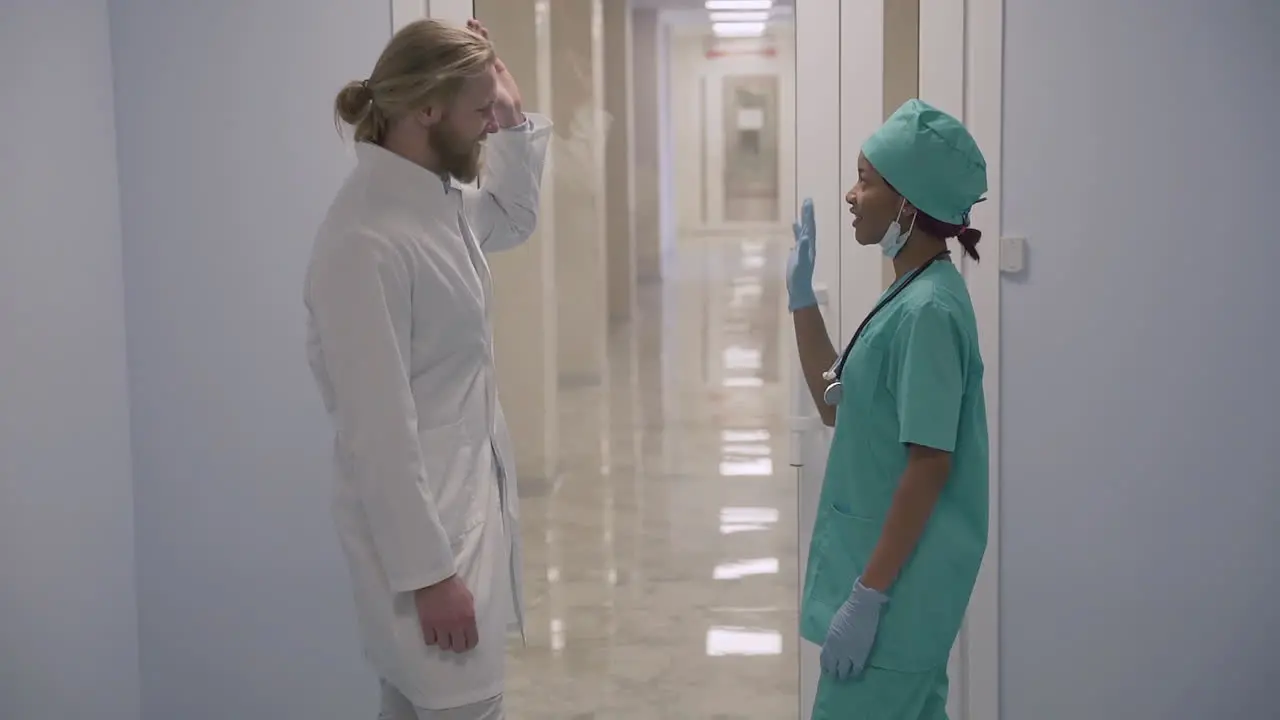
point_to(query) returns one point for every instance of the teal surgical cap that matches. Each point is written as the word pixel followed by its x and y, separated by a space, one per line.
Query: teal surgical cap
pixel 931 160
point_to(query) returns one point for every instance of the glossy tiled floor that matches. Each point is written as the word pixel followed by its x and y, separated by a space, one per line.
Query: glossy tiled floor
pixel 661 565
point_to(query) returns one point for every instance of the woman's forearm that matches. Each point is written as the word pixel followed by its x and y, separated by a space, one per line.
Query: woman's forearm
pixel 817 355
pixel 913 502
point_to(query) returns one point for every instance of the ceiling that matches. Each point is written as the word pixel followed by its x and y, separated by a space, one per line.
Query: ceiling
pixel 683 4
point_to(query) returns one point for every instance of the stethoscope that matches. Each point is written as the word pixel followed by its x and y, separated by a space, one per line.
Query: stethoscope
pixel 835 390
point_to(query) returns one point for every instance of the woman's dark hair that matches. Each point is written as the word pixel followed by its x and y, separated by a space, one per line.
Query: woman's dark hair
pixel 967 236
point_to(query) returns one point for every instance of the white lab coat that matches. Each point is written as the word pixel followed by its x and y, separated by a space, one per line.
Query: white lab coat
pixel 400 342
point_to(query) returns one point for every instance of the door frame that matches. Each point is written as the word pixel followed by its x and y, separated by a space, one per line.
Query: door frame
pixel 700 97
pixel 961 72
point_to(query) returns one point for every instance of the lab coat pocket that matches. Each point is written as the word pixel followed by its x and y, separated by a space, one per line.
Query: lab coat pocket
pixel 449 460
pixel 842 544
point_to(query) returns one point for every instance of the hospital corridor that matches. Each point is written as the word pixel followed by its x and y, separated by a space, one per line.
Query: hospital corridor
pixel 740 359
pixel 661 564
pixel 661 555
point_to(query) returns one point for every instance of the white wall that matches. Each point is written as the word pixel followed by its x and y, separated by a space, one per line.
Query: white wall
pixel 228 160
pixel 645 102
pixel 68 615
pixel 697 88
pixel 1139 474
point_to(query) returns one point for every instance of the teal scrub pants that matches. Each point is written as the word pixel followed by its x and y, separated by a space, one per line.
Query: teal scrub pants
pixel 879 694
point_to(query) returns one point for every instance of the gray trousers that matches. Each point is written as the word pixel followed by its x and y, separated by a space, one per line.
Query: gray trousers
pixel 396 706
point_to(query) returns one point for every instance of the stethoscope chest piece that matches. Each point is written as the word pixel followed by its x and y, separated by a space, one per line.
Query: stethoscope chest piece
pixel 835 390
pixel 833 394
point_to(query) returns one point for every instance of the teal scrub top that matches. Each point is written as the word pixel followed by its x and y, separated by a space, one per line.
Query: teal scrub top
pixel 913 377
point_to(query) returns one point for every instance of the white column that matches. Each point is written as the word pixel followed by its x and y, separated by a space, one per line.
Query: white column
pixel 619 161
pixel 524 309
pixel 862 90
pixel 578 176
pixel 404 12
pixel 454 11
pixel 645 102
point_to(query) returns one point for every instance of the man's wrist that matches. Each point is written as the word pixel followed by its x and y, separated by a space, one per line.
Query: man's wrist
pixel 434 585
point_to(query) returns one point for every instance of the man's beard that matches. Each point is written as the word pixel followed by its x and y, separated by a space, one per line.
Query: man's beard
pixel 459 158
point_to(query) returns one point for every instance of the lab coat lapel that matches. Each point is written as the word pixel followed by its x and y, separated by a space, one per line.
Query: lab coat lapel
pixel 427 195
pixel 478 261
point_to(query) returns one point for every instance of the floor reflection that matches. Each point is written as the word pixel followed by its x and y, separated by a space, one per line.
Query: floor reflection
pixel 661 566
pixel 743 568
pixel 737 519
pixel 722 641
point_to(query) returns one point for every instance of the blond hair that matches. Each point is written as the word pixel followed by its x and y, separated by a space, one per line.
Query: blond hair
pixel 425 63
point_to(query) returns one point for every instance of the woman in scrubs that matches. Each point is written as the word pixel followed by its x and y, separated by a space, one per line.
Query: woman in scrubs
pixel 902 522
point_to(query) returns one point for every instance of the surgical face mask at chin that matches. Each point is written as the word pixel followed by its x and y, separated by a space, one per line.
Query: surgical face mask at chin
pixel 894 238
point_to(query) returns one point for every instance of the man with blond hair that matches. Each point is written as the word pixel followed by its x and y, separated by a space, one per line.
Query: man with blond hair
pixel 400 342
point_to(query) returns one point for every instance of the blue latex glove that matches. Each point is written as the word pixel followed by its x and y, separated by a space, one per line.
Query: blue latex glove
pixel 853 632
pixel 800 262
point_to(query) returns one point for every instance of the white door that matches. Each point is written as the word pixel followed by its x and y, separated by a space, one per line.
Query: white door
pixel 959 49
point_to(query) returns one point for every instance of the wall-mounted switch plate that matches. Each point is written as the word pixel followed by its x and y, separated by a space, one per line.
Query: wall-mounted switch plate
pixel 1013 254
